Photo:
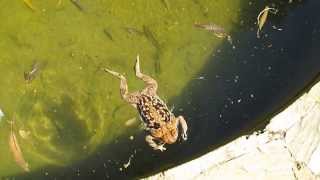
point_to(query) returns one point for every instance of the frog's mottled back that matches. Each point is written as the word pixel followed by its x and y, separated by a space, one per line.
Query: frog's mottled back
pixel 153 111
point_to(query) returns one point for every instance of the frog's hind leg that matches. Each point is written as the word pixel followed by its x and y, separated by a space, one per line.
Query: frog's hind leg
pixel 129 97
pixel 151 84
pixel 153 144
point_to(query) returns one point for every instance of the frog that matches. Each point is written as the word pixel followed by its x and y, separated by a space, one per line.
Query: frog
pixel 161 125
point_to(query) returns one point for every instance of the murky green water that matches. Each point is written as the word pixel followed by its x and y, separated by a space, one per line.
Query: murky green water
pixel 70 120
pixel 72 108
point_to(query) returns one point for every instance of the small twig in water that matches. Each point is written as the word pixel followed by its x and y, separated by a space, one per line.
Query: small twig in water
pixel 29 4
pixel 77 4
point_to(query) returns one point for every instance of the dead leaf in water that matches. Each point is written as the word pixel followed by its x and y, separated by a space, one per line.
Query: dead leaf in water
pixel 262 18
pixel 16 151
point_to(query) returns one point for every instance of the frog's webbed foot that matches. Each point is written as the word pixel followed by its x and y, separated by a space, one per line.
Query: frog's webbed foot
pixel 154 145
pixel 160 147
pixel 151 84
pixel 184 127
pixel 129 97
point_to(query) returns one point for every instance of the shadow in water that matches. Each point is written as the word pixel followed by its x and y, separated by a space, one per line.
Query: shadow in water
pixel 72 131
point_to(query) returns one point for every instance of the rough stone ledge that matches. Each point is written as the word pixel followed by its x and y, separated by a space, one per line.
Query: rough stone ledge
pixel 289 148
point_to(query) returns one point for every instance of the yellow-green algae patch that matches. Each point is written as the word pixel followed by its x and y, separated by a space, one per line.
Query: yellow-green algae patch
pixel 72 107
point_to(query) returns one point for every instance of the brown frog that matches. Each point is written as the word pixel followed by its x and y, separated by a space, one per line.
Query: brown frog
pixel 161 124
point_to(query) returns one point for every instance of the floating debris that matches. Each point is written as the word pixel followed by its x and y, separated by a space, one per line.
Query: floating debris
pixel 262 18
pixel 59 3
pixel 1 114
pixel 24 134
pixel 108 34
pixel 29 4
pixel 30 75
pixel 276 28
pixel 78 5
pixel 217 30
pixel 201 78
pixel 166 4
pixel 150 36
pixel 132 30
pixel 16 150
pixel 126 165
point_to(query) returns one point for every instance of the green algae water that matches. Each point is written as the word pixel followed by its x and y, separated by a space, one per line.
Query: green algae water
pixel 71 107
pixel 69 118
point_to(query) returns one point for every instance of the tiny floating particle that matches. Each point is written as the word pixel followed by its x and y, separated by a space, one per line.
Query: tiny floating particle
pixel 201 78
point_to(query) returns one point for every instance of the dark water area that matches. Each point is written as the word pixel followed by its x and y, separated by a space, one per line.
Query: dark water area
pixel 235 93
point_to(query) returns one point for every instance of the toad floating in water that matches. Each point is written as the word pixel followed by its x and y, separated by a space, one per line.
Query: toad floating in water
pixel 160 122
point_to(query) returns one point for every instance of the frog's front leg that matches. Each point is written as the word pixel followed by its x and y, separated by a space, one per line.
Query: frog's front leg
pixel 184 127
pixel 151 84
pixel 153 144
pixel 129 97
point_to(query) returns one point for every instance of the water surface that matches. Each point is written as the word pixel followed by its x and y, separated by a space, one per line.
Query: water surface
pixel 78 123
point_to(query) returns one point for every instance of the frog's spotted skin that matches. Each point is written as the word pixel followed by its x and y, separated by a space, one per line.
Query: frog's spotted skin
pixel 151 108
pixel 161 124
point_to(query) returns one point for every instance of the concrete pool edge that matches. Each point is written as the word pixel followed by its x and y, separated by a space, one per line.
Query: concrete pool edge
pixel 288 148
